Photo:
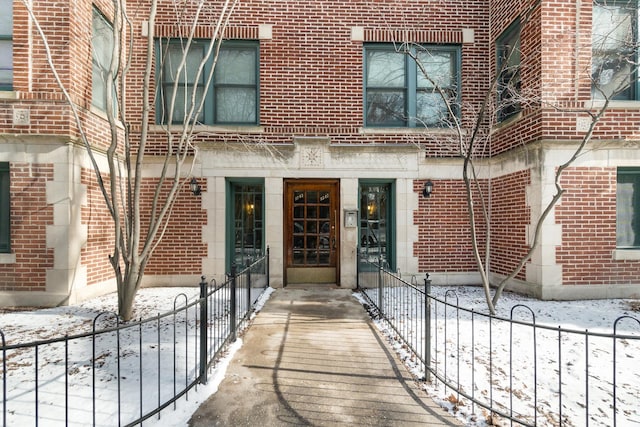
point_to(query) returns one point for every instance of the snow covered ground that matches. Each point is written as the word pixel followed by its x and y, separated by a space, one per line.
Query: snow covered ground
pixel 579 316
pixel 65 372
pixel 557 369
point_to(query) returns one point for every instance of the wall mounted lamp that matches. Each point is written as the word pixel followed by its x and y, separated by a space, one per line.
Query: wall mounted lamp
pixel 427 189
pixel 195 187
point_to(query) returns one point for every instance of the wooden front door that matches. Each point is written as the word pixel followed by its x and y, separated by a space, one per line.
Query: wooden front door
pixel 311 231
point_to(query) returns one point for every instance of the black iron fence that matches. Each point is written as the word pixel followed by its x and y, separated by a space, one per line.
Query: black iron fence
pixel 125 373
pixel 509 368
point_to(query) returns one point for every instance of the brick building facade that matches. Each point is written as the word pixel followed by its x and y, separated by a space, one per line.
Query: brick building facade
pixel 317 138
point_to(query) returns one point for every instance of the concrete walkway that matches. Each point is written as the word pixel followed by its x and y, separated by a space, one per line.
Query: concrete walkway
pixel 312 357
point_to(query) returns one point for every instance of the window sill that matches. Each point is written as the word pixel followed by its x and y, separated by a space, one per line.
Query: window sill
pixel 597 103
pixel 7 258
pixel 507 122
pixel 405 131
pixel 210 128
pixel 103 115
pixel 626 255
pixel 8 94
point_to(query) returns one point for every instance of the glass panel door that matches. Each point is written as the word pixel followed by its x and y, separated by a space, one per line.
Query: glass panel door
pixel 376 224
pixel 311 231
pixel 247 222
pixel 311 228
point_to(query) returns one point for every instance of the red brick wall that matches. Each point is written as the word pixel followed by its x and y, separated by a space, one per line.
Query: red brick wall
pixel 31 70
pixel 311 84
pixel 311 72
pixel 559 74
pixel 517 132
pixel 556 69
pixel 180 251
pixel 67 26
pixel 444 228
pixel 30 216
pixel 510 215
pixel 100 232
pixel 566 78
pixel 313 58
pixel 444 237
pixel 38 90
pixel 587 213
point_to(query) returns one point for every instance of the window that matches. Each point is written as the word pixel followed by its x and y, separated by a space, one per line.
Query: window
pixel 6 45
pixel 508 63
pixel 245 224
pixel 5 205
pixel 402 92
pixel 628 208
pixel 376 228
pixel 102 44
pixel 233 97
pixel 614 39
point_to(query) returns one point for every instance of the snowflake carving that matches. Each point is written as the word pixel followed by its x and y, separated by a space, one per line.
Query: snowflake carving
pixel 311 157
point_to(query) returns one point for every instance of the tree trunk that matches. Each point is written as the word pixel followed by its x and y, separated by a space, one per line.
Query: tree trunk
pixel 127 292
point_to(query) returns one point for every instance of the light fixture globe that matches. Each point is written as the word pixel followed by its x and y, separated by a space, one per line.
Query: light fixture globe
pixel 427 189
pixel 195 187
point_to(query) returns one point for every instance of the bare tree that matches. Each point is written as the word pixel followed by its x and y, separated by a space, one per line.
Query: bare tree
pixel 113 46
pixel 613 64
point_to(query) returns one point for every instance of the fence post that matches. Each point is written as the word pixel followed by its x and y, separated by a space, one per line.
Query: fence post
pixel 204 322
pixel 380 286
pixel 248 288
pixel 4 379
pixel 233 308
pixel 357 267
pixel 427 327
pixel 267 268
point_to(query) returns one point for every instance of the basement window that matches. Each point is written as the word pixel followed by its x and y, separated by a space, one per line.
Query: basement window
pixel 628 208
pixel 5 209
